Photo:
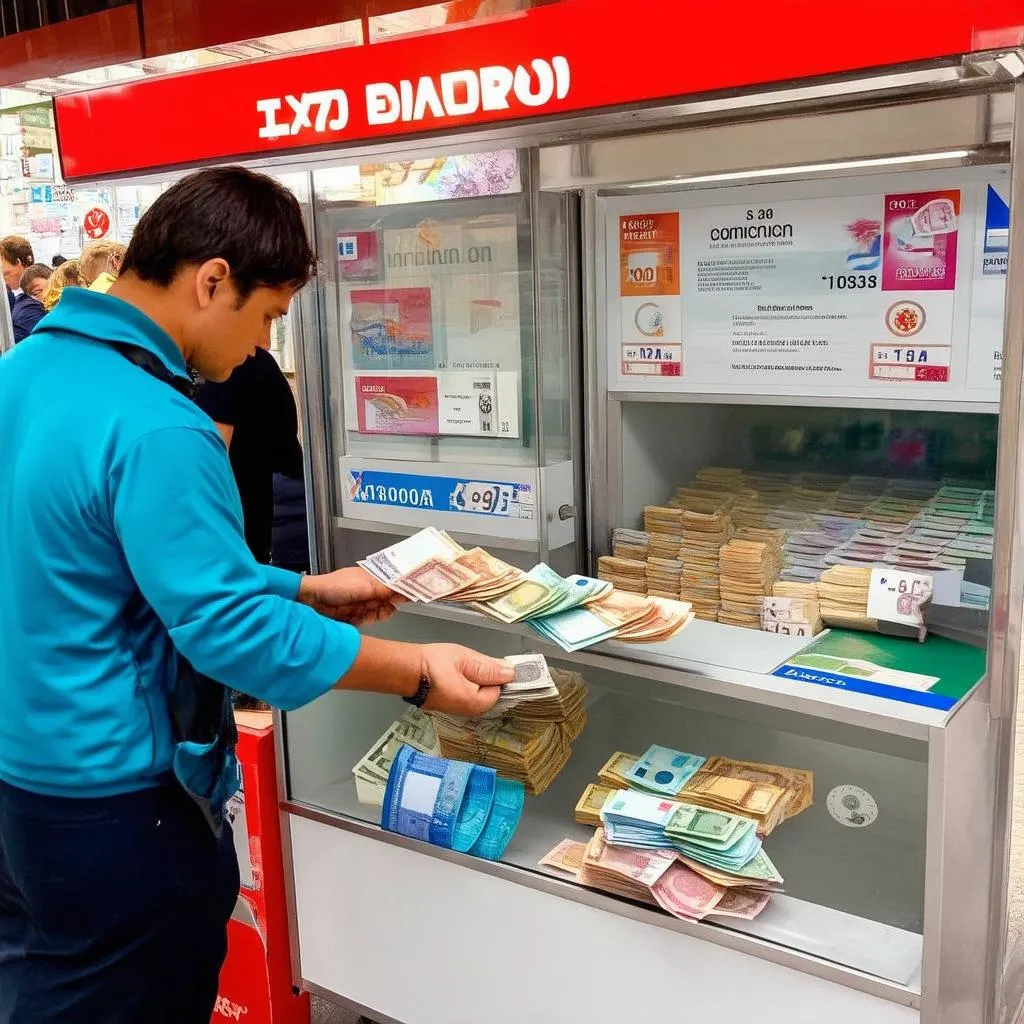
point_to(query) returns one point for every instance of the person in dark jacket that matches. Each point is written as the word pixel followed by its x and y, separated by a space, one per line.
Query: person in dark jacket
pixel 28 307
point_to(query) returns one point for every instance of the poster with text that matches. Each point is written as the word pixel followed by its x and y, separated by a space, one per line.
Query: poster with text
pixel 888 285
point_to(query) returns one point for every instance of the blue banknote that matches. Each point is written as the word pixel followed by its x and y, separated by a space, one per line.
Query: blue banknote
pixel 506 811
pixel 475 809
pixel 424 795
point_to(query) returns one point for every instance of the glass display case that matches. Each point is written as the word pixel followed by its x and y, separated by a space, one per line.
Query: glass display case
pixel 790 385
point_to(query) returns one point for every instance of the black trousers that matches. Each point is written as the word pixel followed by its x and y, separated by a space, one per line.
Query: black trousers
pixel 112 910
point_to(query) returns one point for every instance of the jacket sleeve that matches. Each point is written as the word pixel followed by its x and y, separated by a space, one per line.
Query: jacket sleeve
pixel 177 514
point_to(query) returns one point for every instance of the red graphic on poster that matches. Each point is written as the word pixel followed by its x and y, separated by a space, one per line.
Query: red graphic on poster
pixel 392 329
pixel 359 255
pixel 397 405
pixel 96 223
pixel 921 231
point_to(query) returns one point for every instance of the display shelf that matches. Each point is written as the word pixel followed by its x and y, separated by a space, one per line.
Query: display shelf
pixel 727 660
pixel 852 898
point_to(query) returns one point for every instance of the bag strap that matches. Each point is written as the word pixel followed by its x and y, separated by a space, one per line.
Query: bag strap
pixel 149 363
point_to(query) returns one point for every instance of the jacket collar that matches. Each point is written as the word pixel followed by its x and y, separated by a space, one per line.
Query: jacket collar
pixel 105 318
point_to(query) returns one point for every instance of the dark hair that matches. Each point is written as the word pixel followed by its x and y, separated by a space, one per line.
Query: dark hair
pixel 246 219
pixel 34 273
pixel 58 260
pixel 16 249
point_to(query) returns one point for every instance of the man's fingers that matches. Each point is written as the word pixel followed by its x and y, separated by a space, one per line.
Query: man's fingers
pixel 488 671
pixel 484 699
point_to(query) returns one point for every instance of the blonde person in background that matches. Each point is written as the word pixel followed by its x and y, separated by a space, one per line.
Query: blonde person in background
pixel 100 263
pixel 67 275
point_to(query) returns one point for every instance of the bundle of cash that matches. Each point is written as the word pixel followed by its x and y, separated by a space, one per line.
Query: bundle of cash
pixel 588 809
pixel 460 806
pixel 532 753
pixel 843 596
pixel 566 705
pixel 542 592
pixel 627 574
pixel 663 577
pixel 532 682
pixel 626 617
pixel 663 525
pixel 791 615
pixel 656 877
pixel 371 773
pixel 663 771
pixel 630 544
pixel 615 771
pixel 749 570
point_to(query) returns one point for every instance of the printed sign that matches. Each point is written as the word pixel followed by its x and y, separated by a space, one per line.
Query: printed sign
pixel 440 493
pixel 898 596
pixel 96 223
pixel 891 284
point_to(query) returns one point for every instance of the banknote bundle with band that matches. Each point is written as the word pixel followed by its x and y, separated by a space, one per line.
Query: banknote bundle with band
pixel 453 804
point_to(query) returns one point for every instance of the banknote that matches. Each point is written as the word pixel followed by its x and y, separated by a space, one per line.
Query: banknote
pixel 663 770
pixel 588 810
pixel 615 771
pixel 742 903
pixel 371 772
pixel 435 579
pixel 506 810
pixel 542 588
pixel 683 893
pixel 533 681
pixel 567 856
pixel 391 564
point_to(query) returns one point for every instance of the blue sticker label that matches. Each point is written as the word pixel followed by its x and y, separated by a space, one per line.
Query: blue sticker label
pixel 441 493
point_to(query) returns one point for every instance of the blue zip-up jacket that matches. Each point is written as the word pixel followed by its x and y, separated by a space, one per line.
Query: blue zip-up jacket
pixel 25 314
pixel 121 542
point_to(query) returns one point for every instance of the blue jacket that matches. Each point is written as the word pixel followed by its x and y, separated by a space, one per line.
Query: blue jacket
pixel 121 542
pixel 25 314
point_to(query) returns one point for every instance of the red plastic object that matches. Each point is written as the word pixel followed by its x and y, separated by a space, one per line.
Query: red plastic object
pixel 256 981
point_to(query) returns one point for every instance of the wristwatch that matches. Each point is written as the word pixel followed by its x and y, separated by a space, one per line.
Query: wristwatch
pixel 419 698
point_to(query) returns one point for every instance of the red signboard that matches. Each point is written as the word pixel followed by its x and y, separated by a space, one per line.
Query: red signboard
pixel 561 58
pixel 96 223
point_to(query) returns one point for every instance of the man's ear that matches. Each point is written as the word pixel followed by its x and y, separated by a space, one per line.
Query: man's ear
pixel 211 277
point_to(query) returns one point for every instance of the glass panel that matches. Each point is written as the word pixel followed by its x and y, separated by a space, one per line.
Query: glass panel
pixel 429 309
pixel 852 895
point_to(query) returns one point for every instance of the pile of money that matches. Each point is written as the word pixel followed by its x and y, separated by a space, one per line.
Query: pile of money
pixel 656 877
pixel 664 576
pixel 626 617
pixel 749 570
pixel 664 527
pixel 542 592
pixel 792 614
pixel 843 595
pixel 462 807
pixel 631 544
pixel 528 740
pixel 626 574
pixel 371 773
pixel 766 793
pixel 704 534
pixel 533 682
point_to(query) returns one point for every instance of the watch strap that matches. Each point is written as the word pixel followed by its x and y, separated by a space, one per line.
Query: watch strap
pixel 419 698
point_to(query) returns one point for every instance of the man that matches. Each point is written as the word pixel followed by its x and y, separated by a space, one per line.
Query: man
pixel 126 587
pixel 15 258
pixel 28 306
pixel 255 413
pixel 100 263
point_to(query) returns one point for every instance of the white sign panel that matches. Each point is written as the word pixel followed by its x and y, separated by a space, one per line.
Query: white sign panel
pixel 889 285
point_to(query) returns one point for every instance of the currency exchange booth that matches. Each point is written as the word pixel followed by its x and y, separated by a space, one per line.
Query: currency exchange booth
pixel 598 287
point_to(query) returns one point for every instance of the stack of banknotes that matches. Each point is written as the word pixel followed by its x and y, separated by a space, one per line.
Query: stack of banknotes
pixel 459 806
pixel 531 741
pixel 527 737
pixel 766 793
pixel 572 612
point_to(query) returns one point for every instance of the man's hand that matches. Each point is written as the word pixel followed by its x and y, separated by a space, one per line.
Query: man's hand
pixel 462 681
pixel 349 595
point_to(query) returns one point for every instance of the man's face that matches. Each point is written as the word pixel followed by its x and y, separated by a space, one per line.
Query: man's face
pixel 37 289
pixel 12 272
pixel 230 330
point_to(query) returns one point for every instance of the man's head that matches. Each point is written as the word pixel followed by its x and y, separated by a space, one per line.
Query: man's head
pixel 58 261
pixel 36 280
pixel 100 258
pixel 228 250
pixel 15 258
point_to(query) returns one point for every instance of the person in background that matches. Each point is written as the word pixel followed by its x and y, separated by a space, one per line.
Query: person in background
pixel 254 410
pixel 65 276
pixel 58 260
pixel 16 257
pixel 100 264
pixel 28 307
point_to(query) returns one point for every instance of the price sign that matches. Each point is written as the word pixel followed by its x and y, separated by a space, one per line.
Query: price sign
pixel 897 596
pixel 663 360
pixel 909 363
pixel 487 498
